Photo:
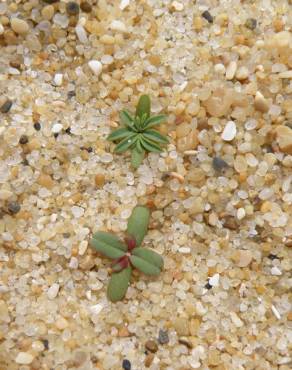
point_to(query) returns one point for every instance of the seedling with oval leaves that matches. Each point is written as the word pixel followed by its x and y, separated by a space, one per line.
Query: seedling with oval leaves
pixel 138 134
pixel 128 254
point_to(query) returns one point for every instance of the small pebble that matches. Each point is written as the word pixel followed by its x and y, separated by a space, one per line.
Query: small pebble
pixel 72 8
pixel 53 291
pixel 86 7
pixel 51 1
pixel 214 280
pixel 208 286
pixel 231 70
pixel 149 359
pixel 219 164
pixel 151 346
pixel 177 6
pixel 242 73
pixel 57 128
pixel 251 23
pixel 81 34
pixel 163 337
pixel 95 66
pixel 23 140
pixel 37 126
pixel 1 29
pixel 126 365
pixel 118 26
pixel 124 4
pixel 243 258
pixel 13 207
pixel 24 358
pixel 260 103
pixel 19 26
pixel 206 14
pixel 272 256
pixel 229 131
pixel 185 342
pixel 6 106
pixel 48 12
pixel 276 271
pixel 58 79
pixel 46 343
pixel 240 214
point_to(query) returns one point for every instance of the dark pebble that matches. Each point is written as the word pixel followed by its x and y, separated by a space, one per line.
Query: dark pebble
pixel 208 286
pixel 5 108
pixel 13 207
pixel 151 346
pixel 37 126
pixel 25 162
pixel 70 94
pixel 50 1
pixel 66 235
pixel 23 139
pixel 207 16
pixel 86 7
pixel 251 23
pixel 219 164
pixel 46 343
pixel 56 134
pixel 272 256
pixel 163 337
pixel 126 365
pixel 72 8
pixel 68 130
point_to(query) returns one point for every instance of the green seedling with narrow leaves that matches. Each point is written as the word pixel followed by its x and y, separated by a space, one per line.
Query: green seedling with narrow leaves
pixel 128 254
pixel 137 133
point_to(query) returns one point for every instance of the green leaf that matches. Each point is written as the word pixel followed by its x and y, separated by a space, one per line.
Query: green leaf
pixel 118 134
pixel 150 146
pixel 155 136
pixel 126 143
pixel 118 284
pixel 137 157
pixel 143 106
pixel 127 119
pixel 144 266
pixel 138 223
pixel 110 239
pixel 155 120
pixel 150 256
pixel 106 249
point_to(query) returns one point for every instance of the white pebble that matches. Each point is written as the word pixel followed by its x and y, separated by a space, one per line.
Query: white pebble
pixel 276 312
pixel 96 309
pixel 24 358
pixel 240 213
pixel 236 320
pixel 214 280
pixel 73 264
pixel 242 73
pixel 124 4
pixel 230 70
pixel 77 211
pixel 58 79
pixel 53 291
pixel 81 34
pixel 276 271
pixel 57 127
pixel 1 29
pixel 220 68
pixel 286 74
pixel 95 66
pixel 184 250
pixel 229 131
pixel 177 6
pixel 118 26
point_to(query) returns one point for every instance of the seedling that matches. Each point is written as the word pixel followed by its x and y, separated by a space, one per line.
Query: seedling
pixel 137 134
pixel 128 254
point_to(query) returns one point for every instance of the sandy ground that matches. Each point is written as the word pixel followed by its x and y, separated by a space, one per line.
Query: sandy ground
pixel 219 194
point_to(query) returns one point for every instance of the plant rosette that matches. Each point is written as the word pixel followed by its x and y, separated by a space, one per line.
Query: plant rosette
pixel 128 254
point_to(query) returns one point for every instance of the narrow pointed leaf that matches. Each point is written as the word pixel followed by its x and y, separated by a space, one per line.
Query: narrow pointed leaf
pixel 106 249
pixel 149 256
pixel 126 143
pixel 118 284
pixel 110 239
pixel 144 266
pixel 139 146
pixel 138 223
pixel 127 119
pixel 150 146
pixel 119 134
pixel 137 157
pixel 154 121
pixel 155 136
pixel 143 106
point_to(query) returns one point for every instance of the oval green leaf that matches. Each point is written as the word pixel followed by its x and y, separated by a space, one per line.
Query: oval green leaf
pixel 155 136
pixel 144 266
pixel 138 223
pixel 118 284
pixel 110 239
pixel 149 256
pixel 106 249
pixel 143 106
pixel 137 157
pixel 119 134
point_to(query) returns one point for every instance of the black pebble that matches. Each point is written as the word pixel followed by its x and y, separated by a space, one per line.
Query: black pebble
pixel 25 162
pixel 72 8
pixel 37 126
pixel 251 23
pixel 207 16
pixel 126 365
pixel 70 94
pixel 13 207
pixel 208 286
pixel 163 337
pixel 56 135
pixel 68 130
pixel 219 164
pixel 23 139
pixel 272 256
pixel 50 1
pixel 5 108
pixel 46 343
